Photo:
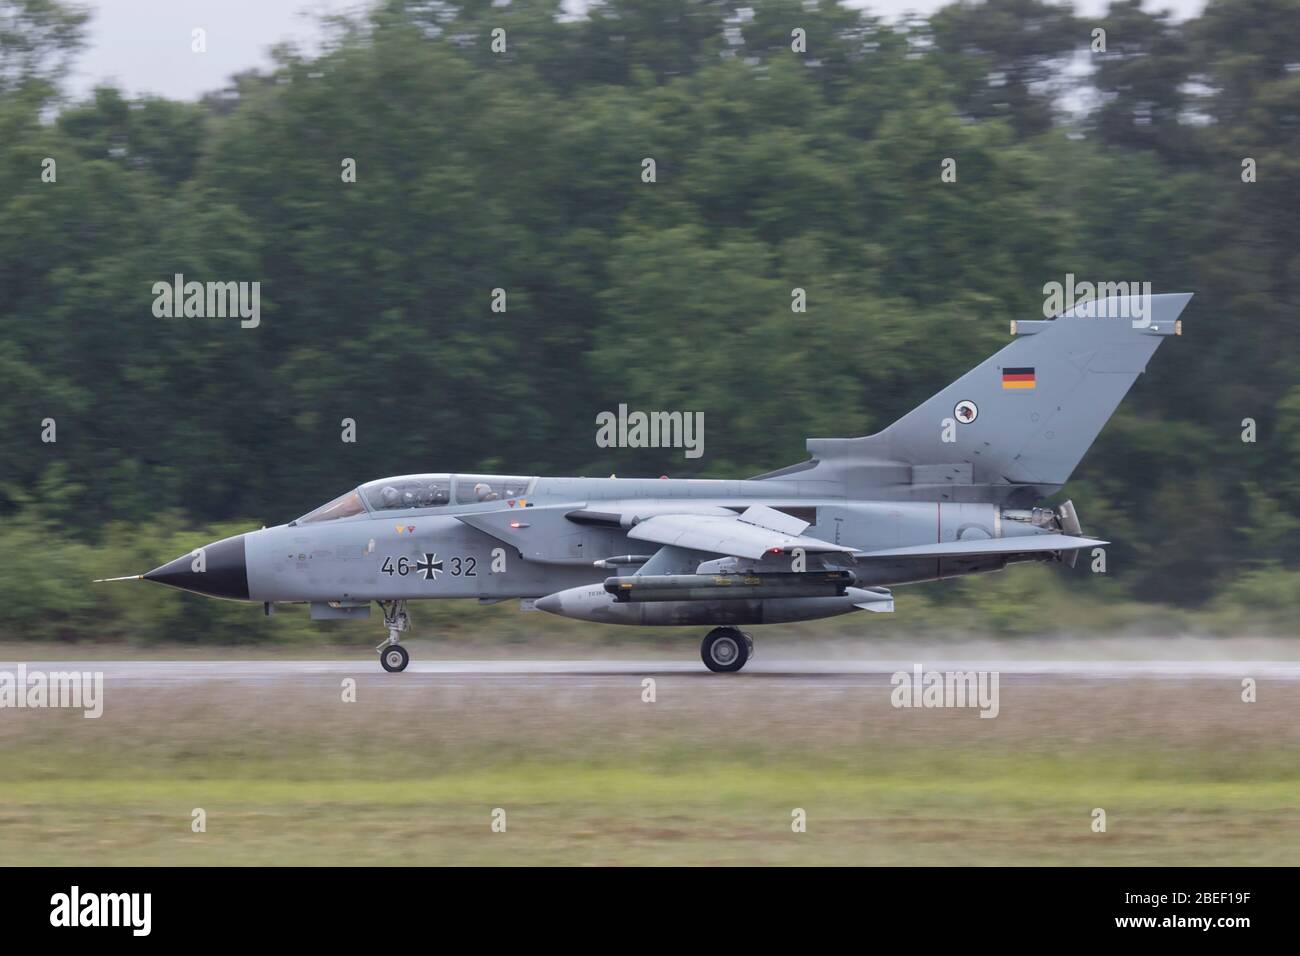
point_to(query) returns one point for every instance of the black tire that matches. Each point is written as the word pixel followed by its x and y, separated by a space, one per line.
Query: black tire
pixel 724 650
pixel 394 658
pixel 749 645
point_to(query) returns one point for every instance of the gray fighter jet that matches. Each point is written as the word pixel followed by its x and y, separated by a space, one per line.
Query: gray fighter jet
pixel 950 488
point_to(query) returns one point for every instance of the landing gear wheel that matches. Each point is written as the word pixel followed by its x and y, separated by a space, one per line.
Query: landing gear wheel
pixel 749 645
pixel 394 658
pixel 725 650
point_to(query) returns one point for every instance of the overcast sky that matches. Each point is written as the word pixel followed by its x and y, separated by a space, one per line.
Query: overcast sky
pixel 144 45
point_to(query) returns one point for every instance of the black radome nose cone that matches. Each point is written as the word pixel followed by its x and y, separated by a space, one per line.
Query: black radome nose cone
pixel 223 574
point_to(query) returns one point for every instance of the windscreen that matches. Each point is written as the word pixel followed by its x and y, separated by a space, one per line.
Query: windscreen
pixel 344 506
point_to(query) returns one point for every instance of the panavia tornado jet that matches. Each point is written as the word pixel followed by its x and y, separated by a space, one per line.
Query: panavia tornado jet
pixel 951 488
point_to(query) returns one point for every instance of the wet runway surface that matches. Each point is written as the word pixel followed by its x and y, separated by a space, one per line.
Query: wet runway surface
pixel 813 671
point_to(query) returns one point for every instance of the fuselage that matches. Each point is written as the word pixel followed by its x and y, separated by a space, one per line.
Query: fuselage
pixel 492 537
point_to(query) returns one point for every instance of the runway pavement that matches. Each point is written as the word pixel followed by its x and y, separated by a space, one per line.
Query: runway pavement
pixel 811 670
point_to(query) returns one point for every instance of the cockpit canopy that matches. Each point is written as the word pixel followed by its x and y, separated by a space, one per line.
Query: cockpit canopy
pixel 411 492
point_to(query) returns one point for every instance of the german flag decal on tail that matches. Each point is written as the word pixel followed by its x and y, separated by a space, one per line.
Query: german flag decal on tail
pixel 1018 378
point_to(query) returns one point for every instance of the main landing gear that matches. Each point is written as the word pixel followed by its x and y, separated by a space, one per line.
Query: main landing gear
pixel 726 649
pixel 392 655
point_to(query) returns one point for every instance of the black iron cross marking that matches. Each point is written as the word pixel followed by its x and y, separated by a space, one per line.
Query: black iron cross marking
pixel 429 567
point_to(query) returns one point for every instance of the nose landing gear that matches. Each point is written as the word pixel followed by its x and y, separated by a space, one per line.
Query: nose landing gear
pixel 726 649
pixel 392 655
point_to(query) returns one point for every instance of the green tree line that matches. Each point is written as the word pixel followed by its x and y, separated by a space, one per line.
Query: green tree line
pixel 795 145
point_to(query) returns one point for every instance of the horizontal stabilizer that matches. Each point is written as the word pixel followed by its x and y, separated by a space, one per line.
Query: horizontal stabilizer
pixel 1021 544
pixel 880 607
pixel 879 600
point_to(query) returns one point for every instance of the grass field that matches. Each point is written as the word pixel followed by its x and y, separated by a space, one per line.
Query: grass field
pixel 587 773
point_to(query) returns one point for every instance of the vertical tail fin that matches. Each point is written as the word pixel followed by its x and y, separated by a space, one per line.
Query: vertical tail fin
pixel 1024 417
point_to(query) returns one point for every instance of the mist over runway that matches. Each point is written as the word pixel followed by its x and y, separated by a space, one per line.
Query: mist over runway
pixel 813 671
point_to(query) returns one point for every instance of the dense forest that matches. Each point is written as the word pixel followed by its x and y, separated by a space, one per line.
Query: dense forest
pixel 382 188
